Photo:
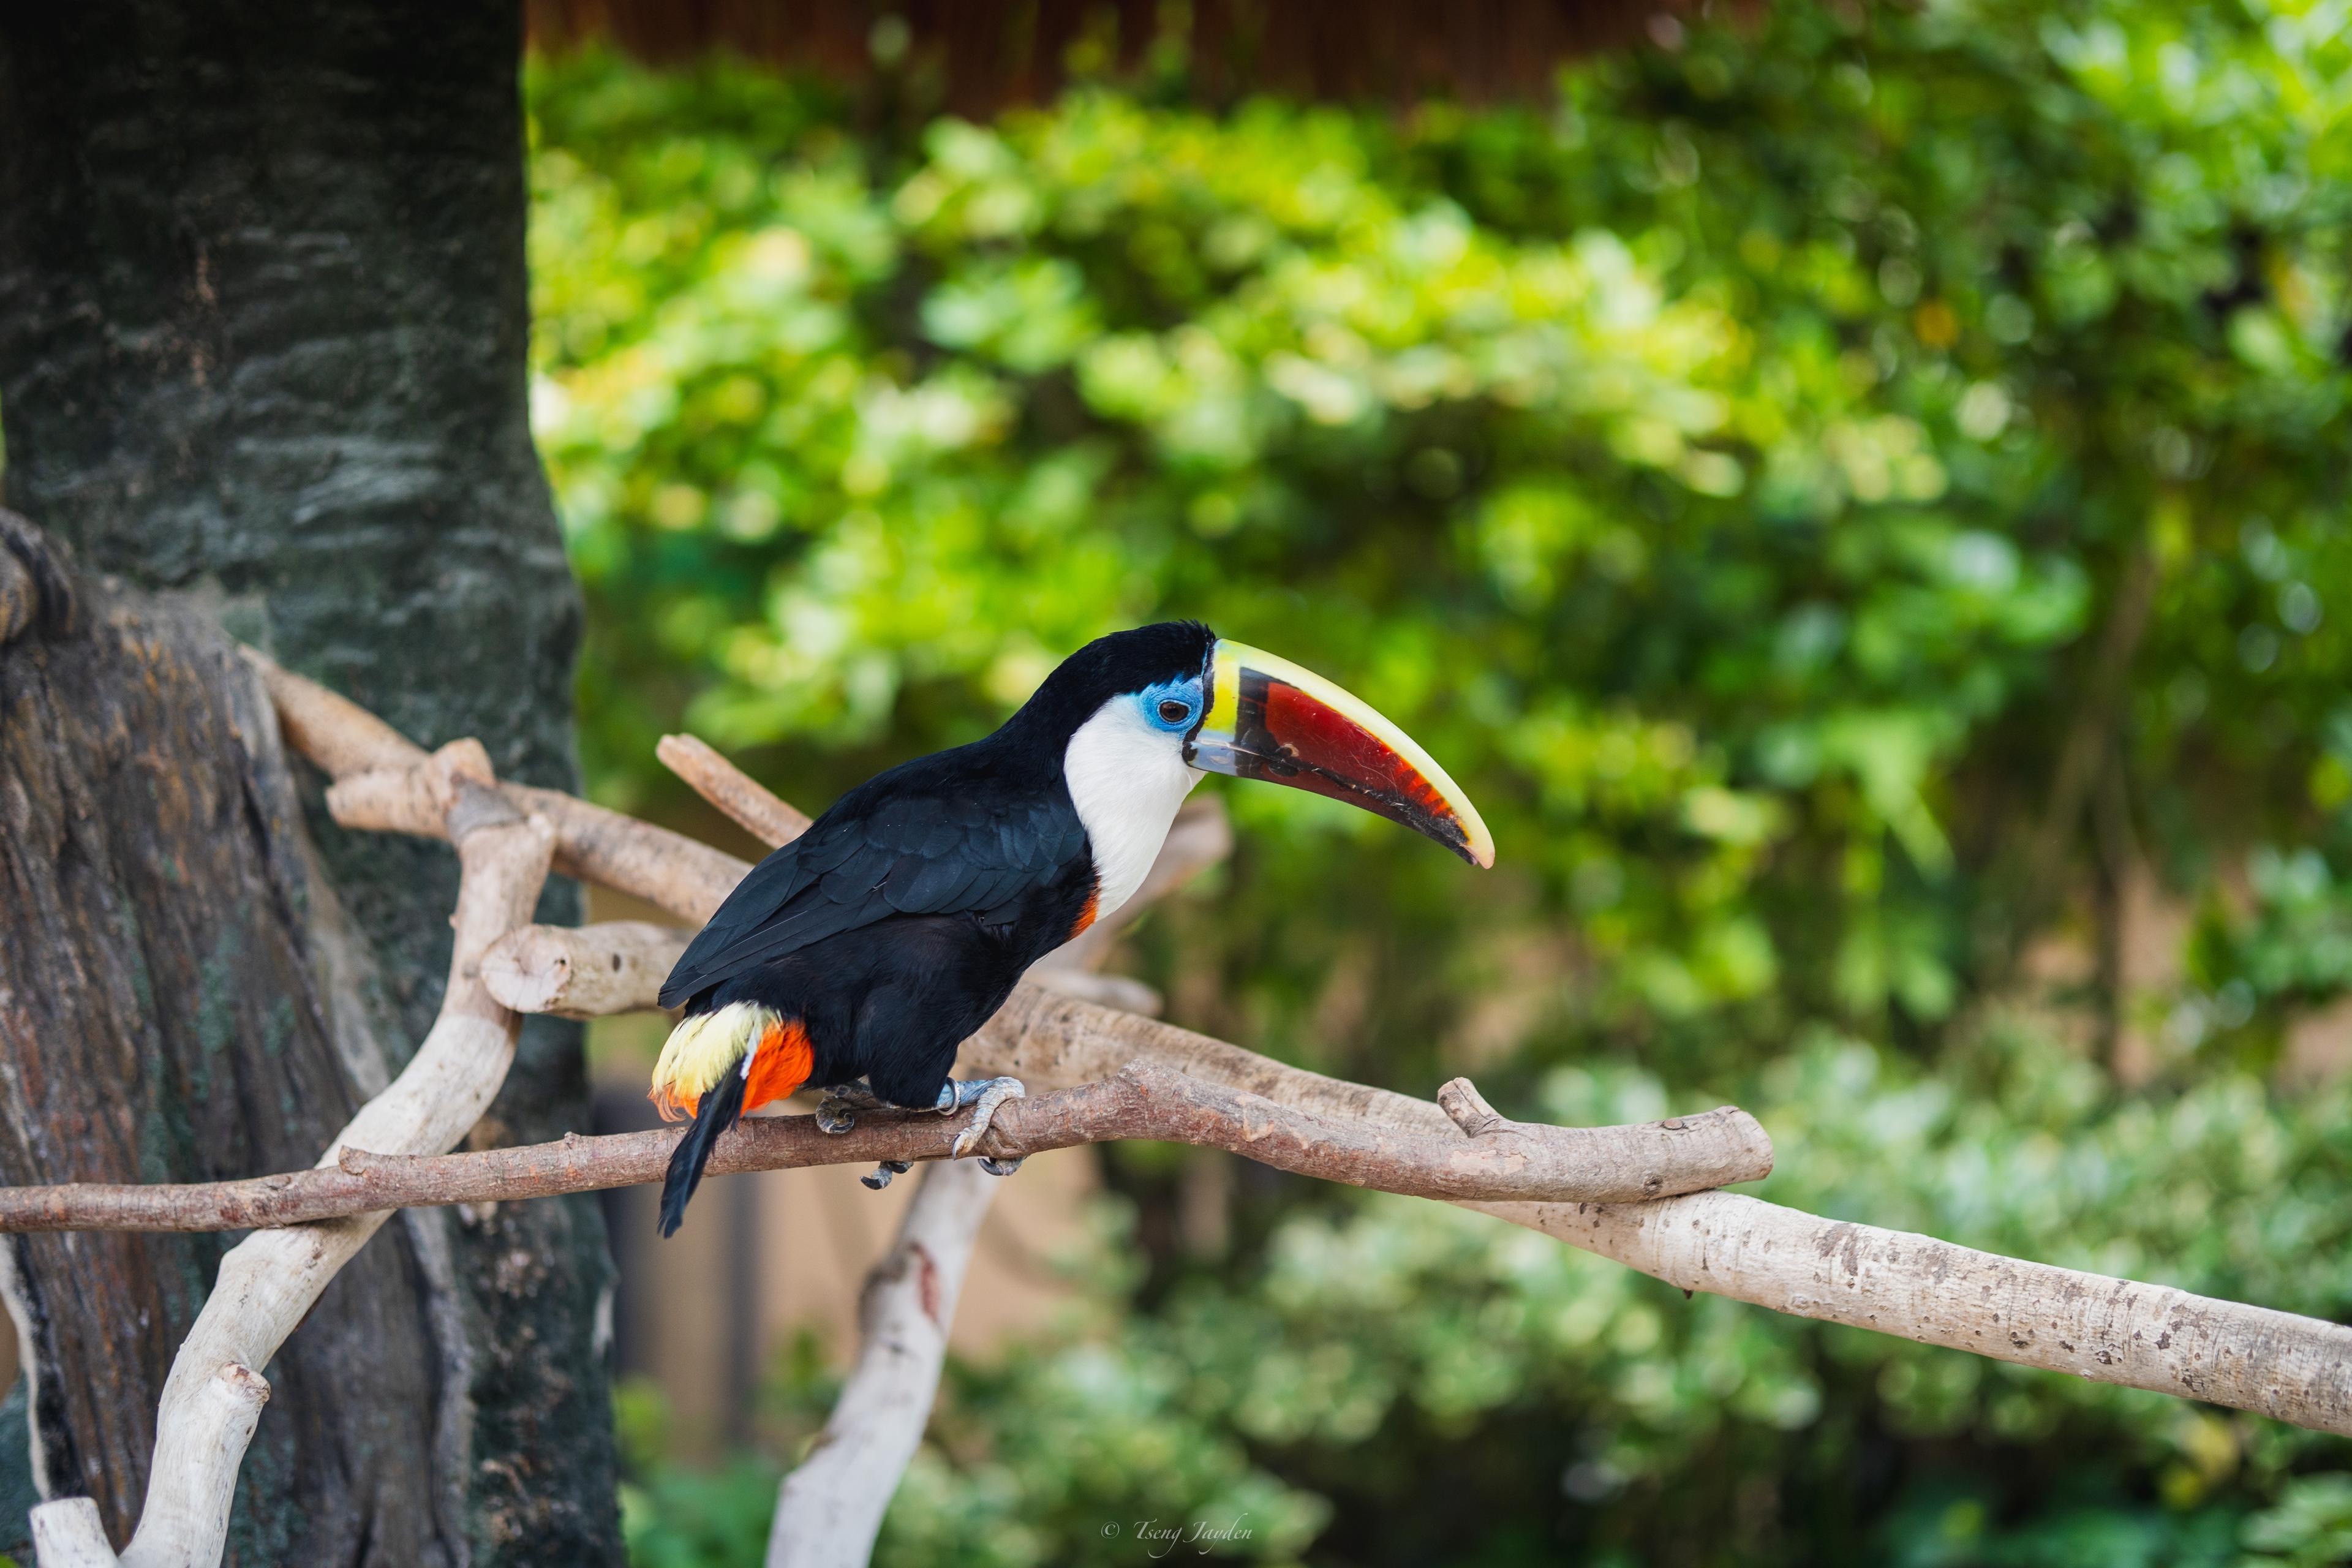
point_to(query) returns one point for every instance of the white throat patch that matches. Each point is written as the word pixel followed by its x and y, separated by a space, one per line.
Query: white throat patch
pixel 1126 778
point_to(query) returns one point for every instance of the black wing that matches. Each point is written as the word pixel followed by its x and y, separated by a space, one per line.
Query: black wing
pixel 917 840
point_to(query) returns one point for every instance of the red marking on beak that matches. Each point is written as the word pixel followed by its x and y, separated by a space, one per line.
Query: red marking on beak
pixel 1270 719
pixel 1329 753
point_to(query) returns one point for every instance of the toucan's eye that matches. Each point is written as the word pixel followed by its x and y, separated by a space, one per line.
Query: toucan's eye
pixel 1171 705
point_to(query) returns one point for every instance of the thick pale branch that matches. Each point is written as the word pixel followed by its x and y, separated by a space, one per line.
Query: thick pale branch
pixel 583 972
pixel 667 869
pixel 1050 1040
pixel 829 1510
pixel 329 727
pixel 672 872
pixel 2276 1364
pixel 1515 1160
pixel 69 1534
pixel 187 1521
pixel 753 807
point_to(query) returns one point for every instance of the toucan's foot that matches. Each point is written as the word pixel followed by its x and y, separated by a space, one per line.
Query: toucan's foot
pixel 983 1095
pixel 996 1167
pixel 837 1112
pixel 879 1176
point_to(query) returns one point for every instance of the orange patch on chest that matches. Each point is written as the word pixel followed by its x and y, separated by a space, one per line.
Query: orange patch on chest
pixel 780 1064
pixel 1087 915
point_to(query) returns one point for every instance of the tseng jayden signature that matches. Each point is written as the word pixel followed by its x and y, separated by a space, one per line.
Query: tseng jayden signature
pixel 1164 1539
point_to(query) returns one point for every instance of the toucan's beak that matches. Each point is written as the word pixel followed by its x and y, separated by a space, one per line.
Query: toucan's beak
pixel 1268 718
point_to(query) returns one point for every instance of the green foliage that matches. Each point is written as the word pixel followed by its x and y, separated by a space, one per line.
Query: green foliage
pixel 1752 474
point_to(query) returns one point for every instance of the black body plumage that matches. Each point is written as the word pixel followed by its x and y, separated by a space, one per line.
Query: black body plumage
pixel 902 918
pixel 718 1112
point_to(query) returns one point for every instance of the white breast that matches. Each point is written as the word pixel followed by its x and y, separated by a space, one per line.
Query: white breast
pixel 1126 779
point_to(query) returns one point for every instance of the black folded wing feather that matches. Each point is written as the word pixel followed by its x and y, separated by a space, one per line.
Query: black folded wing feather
pixel 902 843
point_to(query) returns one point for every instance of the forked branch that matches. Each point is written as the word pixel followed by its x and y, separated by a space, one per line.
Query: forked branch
pixel 1122 1076
pixel 2296 1368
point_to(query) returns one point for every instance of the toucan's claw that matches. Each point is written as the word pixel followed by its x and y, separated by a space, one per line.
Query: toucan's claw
pixel 879 1176
pixel 996 1167
pixel 983 1095
pixel 837 1112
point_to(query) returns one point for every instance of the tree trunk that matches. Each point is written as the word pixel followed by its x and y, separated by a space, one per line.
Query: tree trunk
pixel 262 335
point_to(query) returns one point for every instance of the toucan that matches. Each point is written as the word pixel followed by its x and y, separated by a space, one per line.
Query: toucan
pixel 873 945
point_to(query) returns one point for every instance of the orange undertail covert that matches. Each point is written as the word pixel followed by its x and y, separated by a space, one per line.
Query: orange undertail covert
pixel 706 1046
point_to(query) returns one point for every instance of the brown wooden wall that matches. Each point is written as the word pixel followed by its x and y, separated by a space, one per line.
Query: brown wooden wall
pixel 975 56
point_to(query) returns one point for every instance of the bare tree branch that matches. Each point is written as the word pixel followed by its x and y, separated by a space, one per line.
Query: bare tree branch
pixel 829 1510
pixel 1049 1041
pixel 753 808
pixel 1505 1160
pixel 186 1523
pixel 381 785
pixel 583 972
pixel 2295 1369
pixel 69 1534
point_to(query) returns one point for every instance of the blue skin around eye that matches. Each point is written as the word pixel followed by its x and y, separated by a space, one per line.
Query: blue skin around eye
pixel 1188 692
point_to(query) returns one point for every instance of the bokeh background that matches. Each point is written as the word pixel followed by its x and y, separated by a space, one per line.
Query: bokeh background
pixel 1857 493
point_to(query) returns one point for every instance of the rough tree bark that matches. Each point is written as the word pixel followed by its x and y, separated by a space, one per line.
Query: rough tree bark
pixel 262 333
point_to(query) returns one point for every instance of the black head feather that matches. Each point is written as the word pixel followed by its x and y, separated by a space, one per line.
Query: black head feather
pixel 1109 666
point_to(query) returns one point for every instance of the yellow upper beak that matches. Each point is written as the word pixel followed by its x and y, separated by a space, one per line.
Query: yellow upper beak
pixel 1269 718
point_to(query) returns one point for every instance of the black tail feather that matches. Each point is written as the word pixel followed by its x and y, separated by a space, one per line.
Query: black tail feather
pixel 715 1114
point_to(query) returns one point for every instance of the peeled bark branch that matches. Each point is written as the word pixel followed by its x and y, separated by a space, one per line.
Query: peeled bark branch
pixel 268 1282
pixel 583 972
pixel 1510 1160
pixel 383 785
pixel 753 808
pixel 830 1509
pixel 69 1534
pixel 1050 1040
pixel 2295 1369
pixel 186 1523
